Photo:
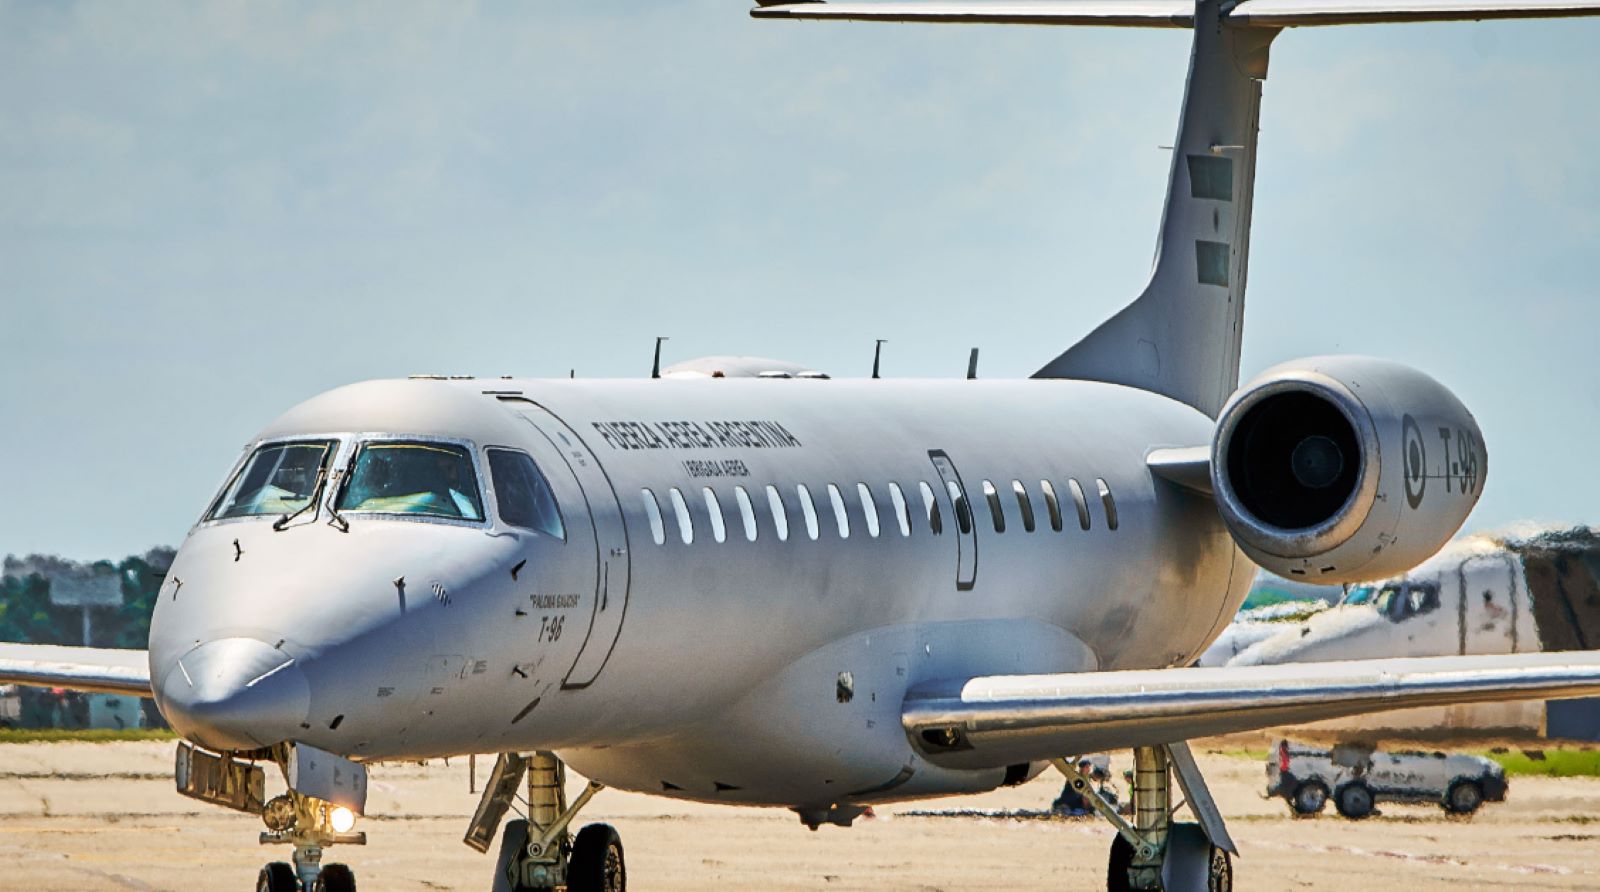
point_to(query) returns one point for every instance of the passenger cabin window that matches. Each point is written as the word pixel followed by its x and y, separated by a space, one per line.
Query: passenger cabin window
pixel 719 530
pixel 809 509
pixel 841 516
pixel 747 512
pixel 780 514
pixel 652 510
pixel 902 512
pixel 958 503
pixel 930 506
pixel 1080 502
pixel 869 508
pixel 1052 503
pixel 1109 503
pixel 279 478
pixel 412 479
pixel 681 509
pixel 522 495
pixel 1023 505
pixel 992 495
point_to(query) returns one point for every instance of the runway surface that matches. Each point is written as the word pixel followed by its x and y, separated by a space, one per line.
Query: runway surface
pixel 78 816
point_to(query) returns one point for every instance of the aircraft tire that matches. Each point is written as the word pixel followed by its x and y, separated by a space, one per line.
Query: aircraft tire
pixel 1310 799
pixel 277 877
pixel 1463 798
pixel 1117 865
pixel 597 864
pixel 1219 875
pixel 1354 800
pixel 335 878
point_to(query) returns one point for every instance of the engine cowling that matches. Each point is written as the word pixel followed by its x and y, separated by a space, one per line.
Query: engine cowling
pixel 1345 468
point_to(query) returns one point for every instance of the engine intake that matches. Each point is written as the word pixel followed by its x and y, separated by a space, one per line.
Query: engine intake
pixel 1324 468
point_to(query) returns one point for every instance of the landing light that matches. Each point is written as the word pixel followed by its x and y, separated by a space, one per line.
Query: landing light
pixel 341 818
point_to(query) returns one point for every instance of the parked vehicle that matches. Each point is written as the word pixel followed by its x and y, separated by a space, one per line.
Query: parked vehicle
pixel 10 706
pixel 1357 778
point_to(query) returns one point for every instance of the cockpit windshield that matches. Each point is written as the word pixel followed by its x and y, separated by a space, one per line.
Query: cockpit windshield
pixel 415 478
pixel 279 478
pixel 1361 594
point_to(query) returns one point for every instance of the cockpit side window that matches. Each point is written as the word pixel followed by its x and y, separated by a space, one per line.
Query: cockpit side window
pixel 1422 597
pixel 279 478
pixel 1392 602
pixel 412 478
pixel 522 495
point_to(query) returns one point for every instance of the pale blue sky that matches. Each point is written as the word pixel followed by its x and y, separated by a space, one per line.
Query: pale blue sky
pixel 211 211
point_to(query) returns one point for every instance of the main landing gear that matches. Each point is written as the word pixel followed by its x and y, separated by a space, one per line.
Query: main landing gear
pixel 1154 852
pixel 538 853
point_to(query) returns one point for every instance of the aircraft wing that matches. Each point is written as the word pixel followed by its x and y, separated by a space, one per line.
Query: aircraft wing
pixel 1128 13
pixel 1176 13
pixel 1004 720
pixel 91 669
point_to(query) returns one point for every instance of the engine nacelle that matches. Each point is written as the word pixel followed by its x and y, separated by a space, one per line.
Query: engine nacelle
pixel 1345 468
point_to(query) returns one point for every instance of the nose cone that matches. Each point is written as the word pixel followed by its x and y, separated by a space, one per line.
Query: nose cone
pixel 235 694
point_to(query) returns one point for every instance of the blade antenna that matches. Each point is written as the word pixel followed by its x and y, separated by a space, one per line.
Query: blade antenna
pixel 655 368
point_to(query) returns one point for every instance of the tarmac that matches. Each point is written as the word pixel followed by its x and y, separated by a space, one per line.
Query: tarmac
pixel 77 816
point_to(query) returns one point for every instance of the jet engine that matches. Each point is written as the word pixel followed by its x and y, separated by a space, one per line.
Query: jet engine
pixel 1345 468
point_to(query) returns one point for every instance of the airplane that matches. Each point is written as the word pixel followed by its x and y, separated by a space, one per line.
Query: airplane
pixel 1481 594
pixel 822 594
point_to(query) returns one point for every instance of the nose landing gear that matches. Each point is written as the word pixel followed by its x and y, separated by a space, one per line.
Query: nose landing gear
pixel 310 825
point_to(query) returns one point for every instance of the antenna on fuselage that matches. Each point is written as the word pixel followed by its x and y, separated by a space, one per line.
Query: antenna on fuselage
pixel 877 356
pixel 972 365
pixel 655 368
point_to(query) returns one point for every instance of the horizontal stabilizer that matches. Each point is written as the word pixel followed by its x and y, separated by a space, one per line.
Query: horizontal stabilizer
pixel 1295 13
pixel 1179 13
pixel 90 669
pixel 1005 720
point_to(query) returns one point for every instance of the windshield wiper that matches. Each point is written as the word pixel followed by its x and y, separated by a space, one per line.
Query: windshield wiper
pixel 316 493
pixel 335 519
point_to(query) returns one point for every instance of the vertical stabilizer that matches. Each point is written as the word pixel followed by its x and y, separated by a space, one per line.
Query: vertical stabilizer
pixel 1181 337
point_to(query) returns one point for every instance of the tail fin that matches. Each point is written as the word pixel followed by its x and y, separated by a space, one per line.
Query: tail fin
pixel 1181 337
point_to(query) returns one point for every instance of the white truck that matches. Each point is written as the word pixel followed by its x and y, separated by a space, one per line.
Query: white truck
pixel 1357 778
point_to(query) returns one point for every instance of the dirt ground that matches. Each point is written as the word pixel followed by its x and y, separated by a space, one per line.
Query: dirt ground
pixel 77 816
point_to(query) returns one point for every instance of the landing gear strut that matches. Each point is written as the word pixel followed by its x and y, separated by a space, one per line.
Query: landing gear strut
pixel 311 826
pixel 539 853
pixel 1154 852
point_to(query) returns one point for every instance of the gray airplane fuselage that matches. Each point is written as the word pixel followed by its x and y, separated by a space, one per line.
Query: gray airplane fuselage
pixel 690 669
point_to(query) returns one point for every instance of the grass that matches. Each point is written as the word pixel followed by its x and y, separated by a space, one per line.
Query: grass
pixel 97 735
pixel 1554 762
pixel 1549 763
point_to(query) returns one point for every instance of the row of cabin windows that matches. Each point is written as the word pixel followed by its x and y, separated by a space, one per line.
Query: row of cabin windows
pixel 900 503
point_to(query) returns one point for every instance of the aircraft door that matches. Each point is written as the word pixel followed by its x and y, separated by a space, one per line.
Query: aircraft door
pixel 966 530
pixel 1489 605
pixel 610 537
